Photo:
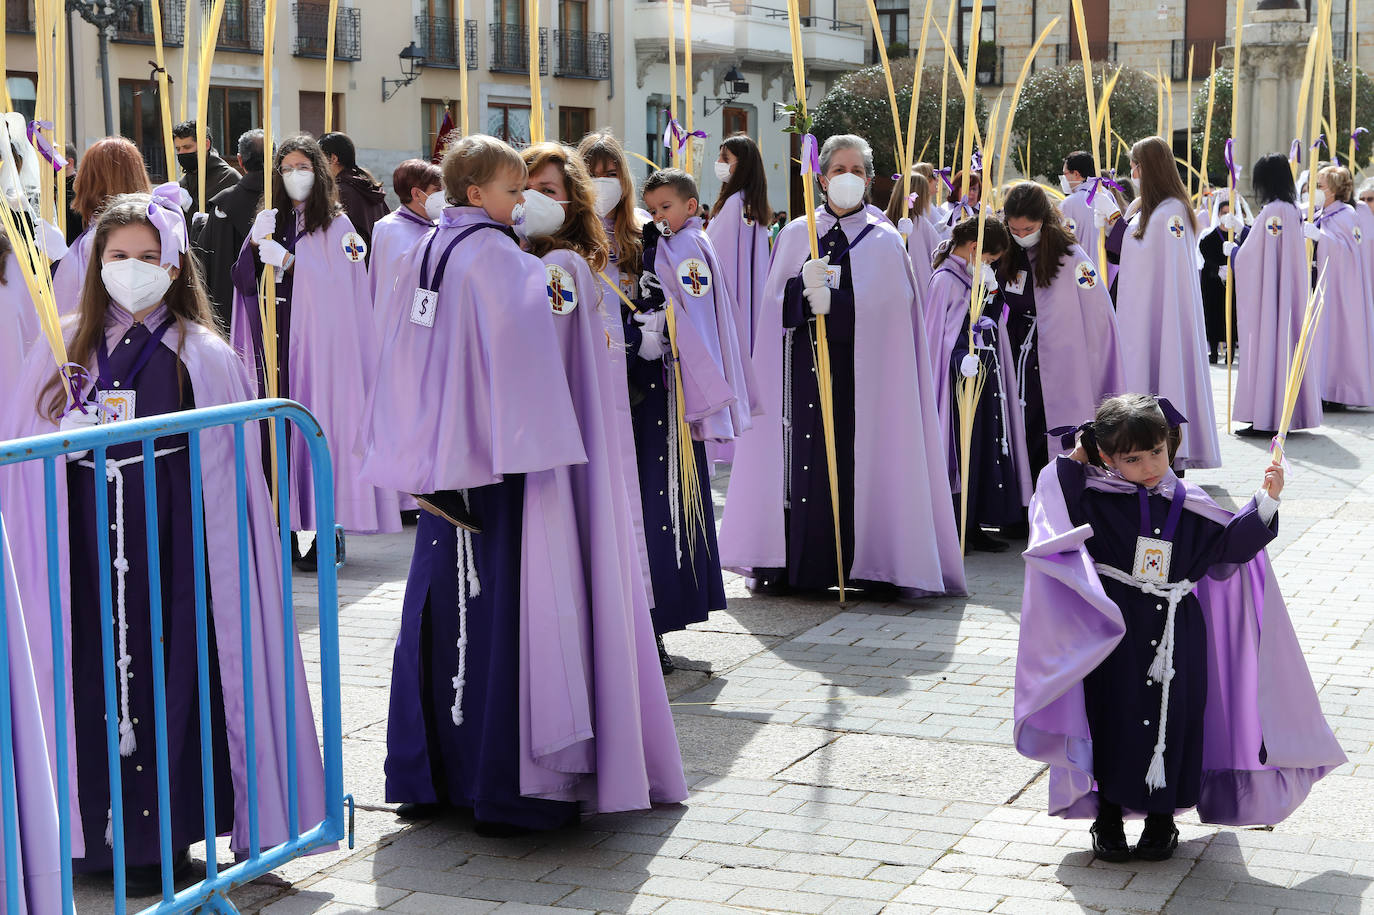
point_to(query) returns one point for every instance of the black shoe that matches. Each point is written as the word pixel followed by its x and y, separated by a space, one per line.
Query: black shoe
pixel 412 810
pixel 983 541
pixel 1252 432
pixel 664 661
pixel 1019 530
pixel 410 518
pixel 146 879
pixel 310 560
pixel 1109 842
pixel 450 506
pixel 1330 406
pixel 491 830
pixel 1158 841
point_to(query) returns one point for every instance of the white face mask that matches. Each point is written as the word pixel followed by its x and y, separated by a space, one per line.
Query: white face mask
pixel 663 228
pixel 1319 199
pixel 136 285
pixel 1065 185
pixel 1027 241
pixel 434 205
pixel 538 216
pixel 723 171
pixel 608 194
pixel 846 191
pixel 298 184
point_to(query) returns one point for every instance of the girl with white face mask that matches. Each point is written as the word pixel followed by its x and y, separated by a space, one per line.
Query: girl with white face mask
pixel 146 339
pixel 327 343
pixel 739 232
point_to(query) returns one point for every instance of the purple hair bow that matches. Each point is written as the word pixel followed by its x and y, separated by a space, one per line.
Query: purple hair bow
pixel 675 136
pixel 44 147
pixel 810 156
pixel 1171 414
pixel 164 212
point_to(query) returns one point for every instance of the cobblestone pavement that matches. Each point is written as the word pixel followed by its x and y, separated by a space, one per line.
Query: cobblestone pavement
pixel 858 760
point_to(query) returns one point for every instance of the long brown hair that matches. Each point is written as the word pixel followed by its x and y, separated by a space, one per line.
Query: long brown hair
pixel 581 231
pixel 748 179
pixel 920 192
pixel 1159 181
pixel 996 239
pixel 186 300
pixel 1029 201
pixel 111 167
pixel 323 203
pixel 601 150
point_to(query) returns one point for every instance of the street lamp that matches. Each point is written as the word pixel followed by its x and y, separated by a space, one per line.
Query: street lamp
pixel 105 15
pixel 412 62
pixel 735 86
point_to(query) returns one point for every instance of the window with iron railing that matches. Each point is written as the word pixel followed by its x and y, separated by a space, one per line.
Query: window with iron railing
pixel 136 26
pixel 312 31
pixel 510 49
pixel 240 26
pixel 438 38
pixel 582 55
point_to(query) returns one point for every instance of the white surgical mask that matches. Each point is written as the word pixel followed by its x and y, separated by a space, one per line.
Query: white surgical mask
pixel 135 284
pixel 608 194
pixel 663 228
pixel 298 184
pixel 540 215
pixel 1319 198
pixel 723 171
pixel 1064 184
pixel 1027 241
pixel 434 205
pixel 845 191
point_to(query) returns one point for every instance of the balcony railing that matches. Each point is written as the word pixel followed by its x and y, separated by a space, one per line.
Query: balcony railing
pixel 439 41
pixel 582 55
pixel 1206 52
pixel 312 31
pixel 1099 51
pixel 510 49
pixel 19 16
pixel 240 27
pixel 136 26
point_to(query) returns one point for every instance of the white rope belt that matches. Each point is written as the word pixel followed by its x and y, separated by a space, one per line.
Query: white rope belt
pixel 1004 439
pixel 468 586
pixel 1162 668
pixel 114 472
pixel 1022 359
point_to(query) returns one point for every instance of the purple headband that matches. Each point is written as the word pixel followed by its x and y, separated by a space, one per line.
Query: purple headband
pixel 164 212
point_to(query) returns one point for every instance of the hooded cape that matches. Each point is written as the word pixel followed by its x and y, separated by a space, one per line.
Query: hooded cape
pixel 69 275
pixel 1261 703
pixel 741 247
pixel 921 245
pixel 1344 361
pixel 392 237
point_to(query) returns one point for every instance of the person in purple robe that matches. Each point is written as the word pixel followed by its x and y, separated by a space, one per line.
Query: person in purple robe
pixel 17 313
pixel 420 186
pixel 1159 303
pixel 1091 211
pixel 1271 298
pixel 1343 361
pixel 1364 218
pixel 111 166
pixel 897 527
pixel 1157 669
pixel 739 230
pixel 960 204
pixel 326 338
pixel 922 237
pixel 1061 327
pixel 998 473
pixel 1214 263
pixel 144 333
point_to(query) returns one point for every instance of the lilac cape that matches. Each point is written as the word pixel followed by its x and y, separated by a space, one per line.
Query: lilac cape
pixel 444 414
pixel 741 247
pixel 1272 278
pixel 41 888
pixel 1259 693
pixel 217 377
pixel 610 312
pixel 20 320
pixel 1364 219
pixel 70 273
pixel 333 366
pixel 921 245
pixel 719 388
pixel 1344 362
pixel 904 529
pixel 1159 309
pixel 628 758
pixel 947 310
pixel 1078 219
pixel 392 236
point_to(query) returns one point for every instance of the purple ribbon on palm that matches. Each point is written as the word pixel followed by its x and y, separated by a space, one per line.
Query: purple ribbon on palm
pixel 1356 134
pixel 810 156
pixel 1229 155
pixel 44 147
pixel 74 377
pixel 1295 151
pixel 675 136
pixel 1099 182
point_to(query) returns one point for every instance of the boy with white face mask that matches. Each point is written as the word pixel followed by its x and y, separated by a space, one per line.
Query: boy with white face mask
pixel 1089 210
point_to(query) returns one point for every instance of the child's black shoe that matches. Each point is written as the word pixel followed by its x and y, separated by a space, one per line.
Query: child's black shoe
pixel 1158 840
pixel 1109 842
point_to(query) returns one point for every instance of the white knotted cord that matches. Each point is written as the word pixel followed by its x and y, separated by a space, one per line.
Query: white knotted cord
pixel 674 462
pixel 1022 358
pixel 1162 668
pixel 468 586
pixel 128 744
pixel 1004 439
pixel 787 418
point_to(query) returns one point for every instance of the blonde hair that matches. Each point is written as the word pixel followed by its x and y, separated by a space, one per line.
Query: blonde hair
pixel 581 232
pixel 477 160
pixel 920 192
pixel 1339 182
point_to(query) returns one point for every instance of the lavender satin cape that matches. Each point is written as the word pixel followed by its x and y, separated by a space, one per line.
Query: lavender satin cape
pixel 1259 691
pixel 464 402
pixel 392 236
pixel 1075 207
pixel 629 757
pixel 921 245
pixel 1345 363
pixel 217 377
pixel 70 273
pixel 39 853
pixel 20 320
pixel 1159 310
pixel 719 388
pixel 741 246
pixel 947 310
pixel 333 366
pixel 1272 278
pixel 904 528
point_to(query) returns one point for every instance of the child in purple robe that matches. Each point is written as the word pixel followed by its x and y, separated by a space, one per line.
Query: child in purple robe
pixel 1343 361
pixel 326 338
pixel 739 230
pixel 1090 210
pixel 922 238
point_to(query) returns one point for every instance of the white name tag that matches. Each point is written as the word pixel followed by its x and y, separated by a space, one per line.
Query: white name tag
pixel 1152 559
pixel 1018 285
pixel 116 406
pixel 423 307
pixel 832 275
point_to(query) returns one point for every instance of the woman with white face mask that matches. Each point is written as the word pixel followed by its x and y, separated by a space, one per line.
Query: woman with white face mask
pixel 326 336
pixel 896 518
pixel 1347 331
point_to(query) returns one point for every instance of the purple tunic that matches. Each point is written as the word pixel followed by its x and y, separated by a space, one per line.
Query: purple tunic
pixel 1271 296
pixel 327 348
pixel 1343 363
pixel 904 531
pixel 1263 739
pixel 1159 309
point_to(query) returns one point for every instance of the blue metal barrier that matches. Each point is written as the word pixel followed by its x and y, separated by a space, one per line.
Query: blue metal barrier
pixel 209 894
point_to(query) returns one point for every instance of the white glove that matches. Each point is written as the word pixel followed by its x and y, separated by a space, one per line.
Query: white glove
pixel 1312 231
pixel 264 224
pixel 652 345
pixel 1099 218
pixel 273 252
pixel 1103 202
pixel 905 226
pixel 1228 248
pixel 647 284
pixel 1231 221
pixel 813 273
pixel 53 241
pixel 819 299
pixel 652 322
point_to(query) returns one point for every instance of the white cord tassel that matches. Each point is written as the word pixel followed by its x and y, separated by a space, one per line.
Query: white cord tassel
pixel 468 586
pixel 109 828
pixel 1021 361
pixel 1004 439
pixel 674 463
pixel 787 418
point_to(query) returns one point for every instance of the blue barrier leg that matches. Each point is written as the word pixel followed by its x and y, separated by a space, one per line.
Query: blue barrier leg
pixel 59 686
pixel 9 799
pixel 207 761
pixel 164 789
